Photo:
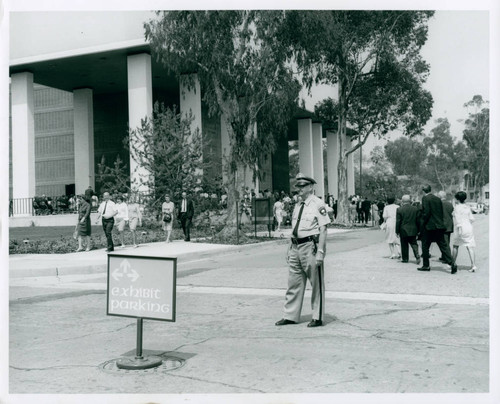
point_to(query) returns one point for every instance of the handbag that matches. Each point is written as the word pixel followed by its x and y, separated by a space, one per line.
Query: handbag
pixel 167 217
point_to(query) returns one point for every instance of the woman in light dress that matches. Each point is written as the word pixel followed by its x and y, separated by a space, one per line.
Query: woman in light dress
pixel 167 210
pixel 389 216
pixel 134 217
pixel 278 213
pixel 464 233
pixel 121 218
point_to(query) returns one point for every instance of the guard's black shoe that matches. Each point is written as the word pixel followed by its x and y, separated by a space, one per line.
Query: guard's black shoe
pixel 442 259
pixel 404 262
pixel 315 323
pixel 424 269
pixel 454 269
pixel 284 321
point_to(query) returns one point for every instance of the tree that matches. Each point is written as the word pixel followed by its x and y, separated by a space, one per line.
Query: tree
pixel 406 156
pixel 445 157
pixel 114 179
pixel 373 58
pixel 244 73
pixel 477 138
pixel 162 148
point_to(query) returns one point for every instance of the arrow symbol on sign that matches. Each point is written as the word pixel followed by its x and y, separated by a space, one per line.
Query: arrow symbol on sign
pixel 125 265
pixel 116 274
pixel 134 275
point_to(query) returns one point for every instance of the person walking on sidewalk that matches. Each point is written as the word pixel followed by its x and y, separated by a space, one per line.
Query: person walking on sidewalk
pixel 107 211
pixel 84 228
pixel 447 219
pixel 186 213
pixel 167 216
pixel 306 254
pixel 121 218
pixel 134 217
pixel 407 228
pixel 464 234
pixel 433 229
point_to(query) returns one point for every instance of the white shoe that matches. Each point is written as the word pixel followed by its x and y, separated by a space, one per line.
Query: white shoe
pixel 135 245
pixel 122 246
pixel 473 269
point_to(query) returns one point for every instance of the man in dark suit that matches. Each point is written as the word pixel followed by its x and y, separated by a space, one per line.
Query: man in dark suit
pixel 185 215
pixel 366 206
pixel 447 219
pixel 433 230
pixel 407 228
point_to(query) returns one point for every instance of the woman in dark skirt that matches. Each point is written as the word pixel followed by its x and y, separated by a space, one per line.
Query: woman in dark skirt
pixel 83 226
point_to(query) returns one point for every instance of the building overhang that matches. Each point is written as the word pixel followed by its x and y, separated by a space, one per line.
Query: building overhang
pixel 103 69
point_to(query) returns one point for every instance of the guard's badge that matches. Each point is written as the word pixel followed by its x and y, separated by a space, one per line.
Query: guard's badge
pixel 322 210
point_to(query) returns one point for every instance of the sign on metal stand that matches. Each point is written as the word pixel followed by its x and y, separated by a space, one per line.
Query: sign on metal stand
pixel 144 288
pixel 262 213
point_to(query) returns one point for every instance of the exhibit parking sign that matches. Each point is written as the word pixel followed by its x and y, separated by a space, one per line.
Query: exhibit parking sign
pixel 142 287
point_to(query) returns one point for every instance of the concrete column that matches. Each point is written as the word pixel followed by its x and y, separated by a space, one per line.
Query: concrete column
pixel 190 100
pixel 23 136
pixel 140 106
pixel 332 156
pixel 83 112
pixel 350 168
pixel 306 147
pixel 318 167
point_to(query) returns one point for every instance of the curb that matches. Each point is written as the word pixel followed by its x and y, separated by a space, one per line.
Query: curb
pixel 102 268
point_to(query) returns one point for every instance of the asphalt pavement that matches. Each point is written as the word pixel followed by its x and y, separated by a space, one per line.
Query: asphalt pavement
pixel 389 328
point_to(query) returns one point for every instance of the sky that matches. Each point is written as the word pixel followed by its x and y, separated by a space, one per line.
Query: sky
pixel 457 50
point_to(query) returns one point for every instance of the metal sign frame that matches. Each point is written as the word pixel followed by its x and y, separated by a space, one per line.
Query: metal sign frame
pixel 174 285
pixel 263 202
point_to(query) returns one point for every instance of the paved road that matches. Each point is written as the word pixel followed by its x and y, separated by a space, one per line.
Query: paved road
pixel 389 328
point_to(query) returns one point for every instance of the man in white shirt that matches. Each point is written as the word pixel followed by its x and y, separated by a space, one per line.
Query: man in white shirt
pixel 107 210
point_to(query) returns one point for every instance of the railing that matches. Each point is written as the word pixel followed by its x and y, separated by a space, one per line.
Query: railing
pixel 44 205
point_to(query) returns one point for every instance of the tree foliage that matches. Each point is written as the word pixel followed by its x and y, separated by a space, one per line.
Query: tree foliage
pixel 162 148
pixel 374 58
pixel 407 156
pixel 477 138
pixel 244 74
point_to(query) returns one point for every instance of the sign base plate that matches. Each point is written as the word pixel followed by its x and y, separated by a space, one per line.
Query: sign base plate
pixel 131 363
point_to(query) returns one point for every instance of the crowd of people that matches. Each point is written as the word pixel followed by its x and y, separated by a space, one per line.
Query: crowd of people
pixel 434 220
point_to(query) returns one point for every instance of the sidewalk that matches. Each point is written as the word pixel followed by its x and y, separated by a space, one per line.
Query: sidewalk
pixel 95 261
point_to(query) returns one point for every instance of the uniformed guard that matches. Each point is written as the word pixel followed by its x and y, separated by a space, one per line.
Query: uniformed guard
pixel 306 254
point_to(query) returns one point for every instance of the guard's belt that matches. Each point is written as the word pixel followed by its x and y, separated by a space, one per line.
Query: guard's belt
pixel 303 240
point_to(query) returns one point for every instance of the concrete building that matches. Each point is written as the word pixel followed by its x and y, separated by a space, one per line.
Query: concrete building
pixel 75 95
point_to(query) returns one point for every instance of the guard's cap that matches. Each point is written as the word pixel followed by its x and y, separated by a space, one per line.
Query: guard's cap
pixel 302 180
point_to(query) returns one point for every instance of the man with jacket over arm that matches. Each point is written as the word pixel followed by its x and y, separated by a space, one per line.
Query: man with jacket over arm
pixel 407 228
pixel 433 230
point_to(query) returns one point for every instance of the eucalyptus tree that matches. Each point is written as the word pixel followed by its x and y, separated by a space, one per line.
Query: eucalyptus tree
pixel 477 138
pixel 244 73
pixel 373 58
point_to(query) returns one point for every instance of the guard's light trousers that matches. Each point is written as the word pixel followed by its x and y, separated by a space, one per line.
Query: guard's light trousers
pixel 302 266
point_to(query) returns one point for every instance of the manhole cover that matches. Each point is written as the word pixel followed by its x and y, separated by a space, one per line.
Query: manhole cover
pixel 168 364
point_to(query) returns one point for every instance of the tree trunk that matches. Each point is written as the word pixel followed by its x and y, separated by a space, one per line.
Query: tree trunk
pixel 343 201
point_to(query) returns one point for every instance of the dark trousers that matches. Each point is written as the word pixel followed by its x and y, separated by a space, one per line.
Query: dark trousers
pixel 405 241
pixel 366 216
pixel 186 226
pixel 107 226
pixel 447 241
pixel 435 236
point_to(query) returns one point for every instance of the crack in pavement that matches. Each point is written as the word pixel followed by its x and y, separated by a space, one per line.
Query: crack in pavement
pixel 217 383
pixel 391 311
pixel 52 367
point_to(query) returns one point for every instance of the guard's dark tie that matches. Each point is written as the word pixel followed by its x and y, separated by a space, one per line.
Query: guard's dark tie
pixel 296 228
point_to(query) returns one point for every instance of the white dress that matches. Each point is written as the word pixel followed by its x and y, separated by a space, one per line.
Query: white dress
pixel 462 218
pixel 278 211
pixel 390 220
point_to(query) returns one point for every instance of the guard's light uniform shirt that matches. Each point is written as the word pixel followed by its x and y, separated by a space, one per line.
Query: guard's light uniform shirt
pixel 313 216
